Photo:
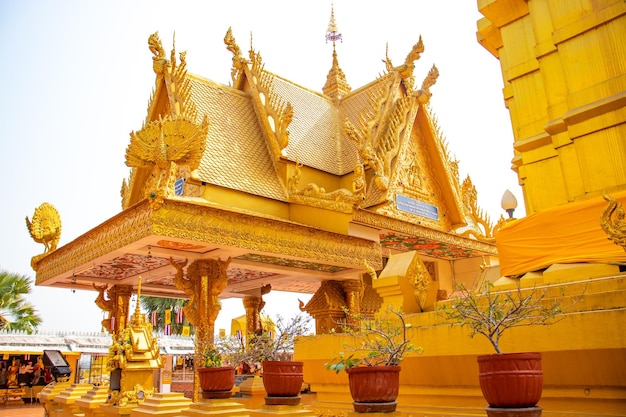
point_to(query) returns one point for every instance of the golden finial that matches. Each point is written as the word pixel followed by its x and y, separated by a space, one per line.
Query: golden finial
pixel 336 84
pixel 332 33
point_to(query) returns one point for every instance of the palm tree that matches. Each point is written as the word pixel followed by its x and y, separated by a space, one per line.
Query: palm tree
pixel 159 305
pixel 15 312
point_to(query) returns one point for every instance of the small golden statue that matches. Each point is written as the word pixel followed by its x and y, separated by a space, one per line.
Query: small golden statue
pixel 45 228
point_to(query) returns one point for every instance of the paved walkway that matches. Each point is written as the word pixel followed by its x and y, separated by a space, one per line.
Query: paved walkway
pixel 26 410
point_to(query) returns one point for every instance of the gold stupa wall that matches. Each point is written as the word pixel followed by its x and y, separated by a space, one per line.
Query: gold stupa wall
pixel 564 71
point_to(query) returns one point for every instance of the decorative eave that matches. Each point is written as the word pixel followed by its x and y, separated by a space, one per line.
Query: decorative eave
pixel 385 223
pixel 211 225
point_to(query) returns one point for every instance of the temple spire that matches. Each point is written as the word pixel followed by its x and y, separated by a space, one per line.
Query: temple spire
pixel 336 84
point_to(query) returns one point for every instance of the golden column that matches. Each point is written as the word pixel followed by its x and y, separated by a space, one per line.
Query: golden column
pixel 205 280
pixel 253 316
pixel 253 304
pixel 354 293
pixel 116 305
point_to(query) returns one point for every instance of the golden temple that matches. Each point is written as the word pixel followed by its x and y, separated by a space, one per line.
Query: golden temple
pixel 267 185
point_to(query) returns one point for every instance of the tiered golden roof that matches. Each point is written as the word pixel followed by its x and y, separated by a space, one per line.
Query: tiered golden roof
pixel 296 186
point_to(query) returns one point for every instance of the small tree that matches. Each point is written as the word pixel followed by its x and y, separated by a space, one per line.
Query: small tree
pixel 279 346
pixel 490 313
pixel 378 341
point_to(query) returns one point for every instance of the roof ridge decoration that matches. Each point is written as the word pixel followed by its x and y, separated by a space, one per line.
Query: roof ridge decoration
pixel 478 222
pixel 386 123
pixel 275 114
pixel 451 164
pixel 341 200
pixel 176 138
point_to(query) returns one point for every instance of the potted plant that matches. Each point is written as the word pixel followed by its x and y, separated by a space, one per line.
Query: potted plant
pixel 507 380
pixel 372 359
pixel 282 376
pixel 217 377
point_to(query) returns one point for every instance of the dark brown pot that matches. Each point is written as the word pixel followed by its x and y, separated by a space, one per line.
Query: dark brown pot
pixel 283 382
pixel 374 389
pixel 511 380
pixel 217 382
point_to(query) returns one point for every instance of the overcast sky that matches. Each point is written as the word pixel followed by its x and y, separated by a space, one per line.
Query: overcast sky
pixel 77 77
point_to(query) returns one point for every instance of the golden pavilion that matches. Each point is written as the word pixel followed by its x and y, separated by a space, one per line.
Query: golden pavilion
pixel 267 185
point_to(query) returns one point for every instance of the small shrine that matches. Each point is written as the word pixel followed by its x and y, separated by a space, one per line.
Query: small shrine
pixel 133 357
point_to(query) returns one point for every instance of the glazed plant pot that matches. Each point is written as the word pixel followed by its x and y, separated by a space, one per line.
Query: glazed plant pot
pixel 283 382
pixel 217 382
pixel 511 380
pixel 374 389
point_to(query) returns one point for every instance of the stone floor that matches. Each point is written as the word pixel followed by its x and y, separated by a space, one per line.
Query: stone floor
pixel 22 410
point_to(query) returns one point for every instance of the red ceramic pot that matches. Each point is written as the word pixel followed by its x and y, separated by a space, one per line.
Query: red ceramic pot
pixel 283 382
pixel 374 389
pixel 217 382
pixel 511 380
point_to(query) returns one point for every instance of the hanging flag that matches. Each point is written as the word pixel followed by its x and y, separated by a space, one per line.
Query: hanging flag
pixel 168 316
pixel 167 330
pixel 179 315
pixel 186 331
pixel 153 318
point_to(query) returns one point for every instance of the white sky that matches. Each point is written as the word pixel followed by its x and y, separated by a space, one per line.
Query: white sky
pixel 77 77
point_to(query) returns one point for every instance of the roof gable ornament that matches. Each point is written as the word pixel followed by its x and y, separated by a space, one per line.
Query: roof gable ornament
pixel 479 224
pixel 274 113
pixel 378 133
pixel 176 138
pixel 336 84
pixel 383 125
pixel 239 62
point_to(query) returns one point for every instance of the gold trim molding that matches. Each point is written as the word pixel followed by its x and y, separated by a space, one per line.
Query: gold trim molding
pixel 382 222
pixel 123 229
pixel 226 228
pixel 177 219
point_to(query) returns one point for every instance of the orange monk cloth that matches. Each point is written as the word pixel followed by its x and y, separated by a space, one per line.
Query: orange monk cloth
pixel 565 234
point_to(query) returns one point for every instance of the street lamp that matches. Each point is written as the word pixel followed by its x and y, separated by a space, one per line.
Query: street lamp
pixel 508 203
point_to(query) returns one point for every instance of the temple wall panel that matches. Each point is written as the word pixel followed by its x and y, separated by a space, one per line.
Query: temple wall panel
pixel 323 219
pixel 544 185
pixel 572 174
pixel 602 167
pixel 465 272
pixel 234 198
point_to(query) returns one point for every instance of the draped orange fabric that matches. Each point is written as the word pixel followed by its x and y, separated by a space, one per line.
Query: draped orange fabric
pixel 566 234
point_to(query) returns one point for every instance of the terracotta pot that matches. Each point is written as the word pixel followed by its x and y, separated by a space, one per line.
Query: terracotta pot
pixel 217 382
pixel 511 380
pixel 374 389
pixel 282 381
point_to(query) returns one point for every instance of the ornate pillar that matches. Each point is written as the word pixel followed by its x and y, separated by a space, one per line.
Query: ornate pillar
pixel 116 302
pixel 354 293
pixel 205 280
pixel 253 316
pixel 253 305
